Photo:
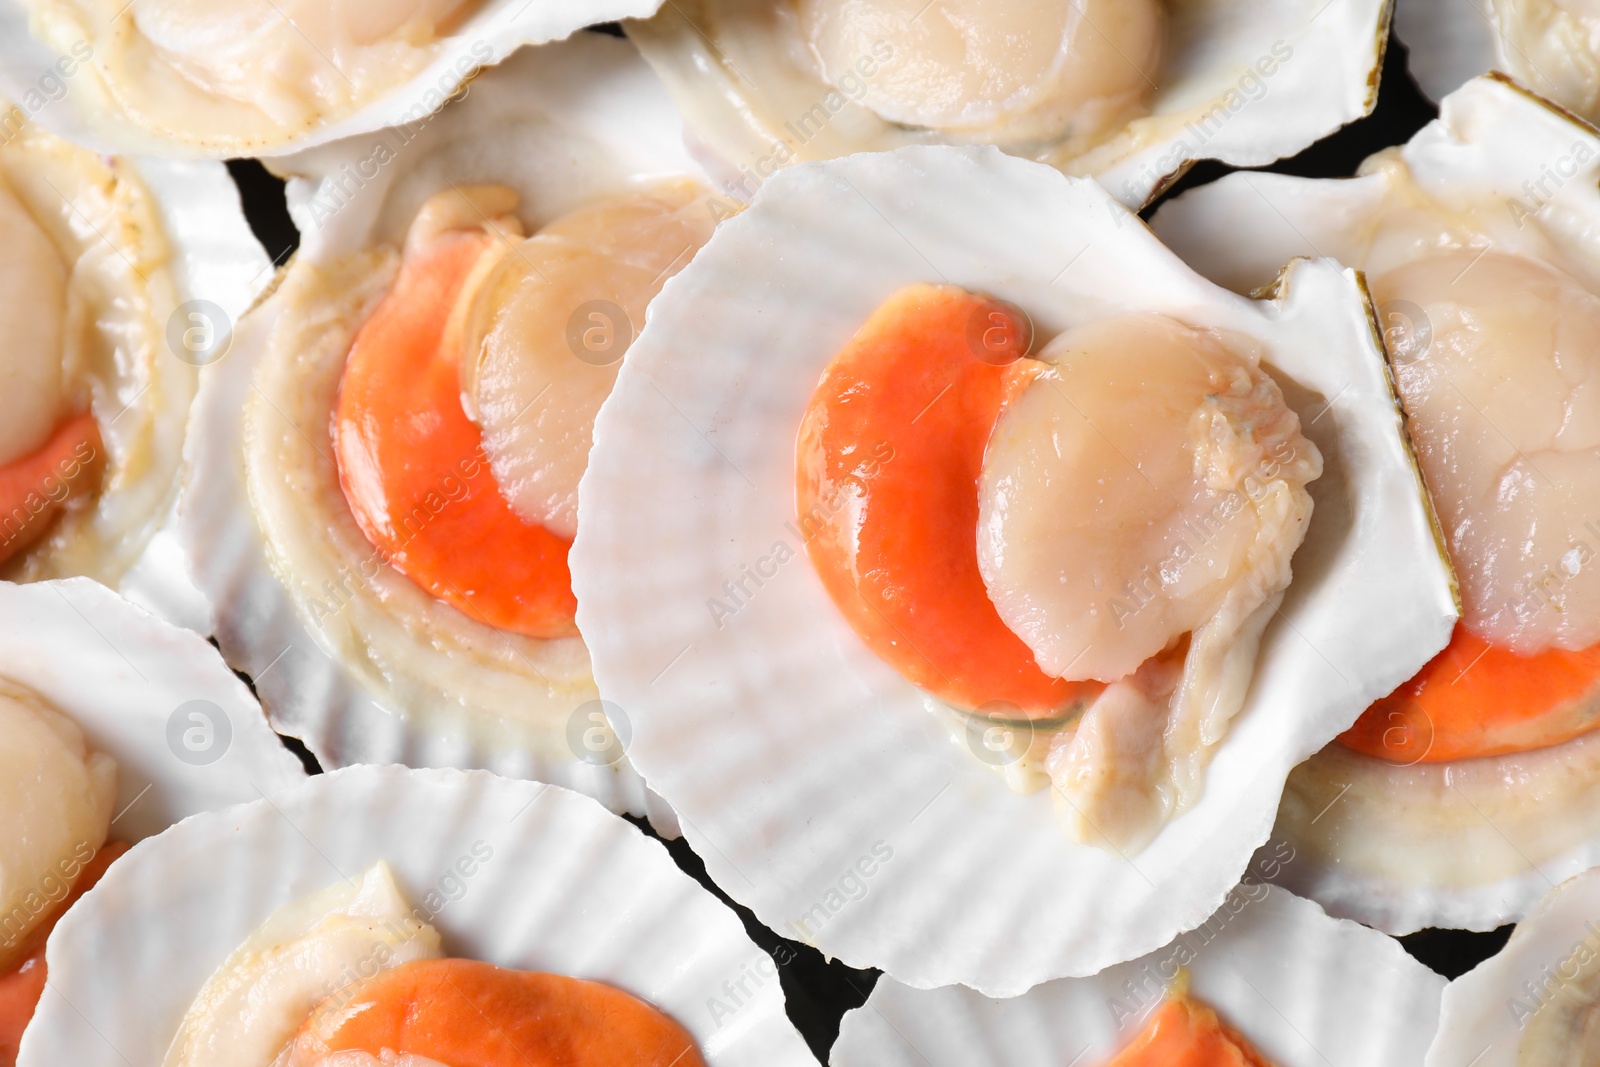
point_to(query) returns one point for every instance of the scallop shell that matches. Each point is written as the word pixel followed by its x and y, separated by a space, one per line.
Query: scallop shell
pixel 1304 989
pixel 567 888
pixel 135 685
pixel 808 773
pixel 200 257
pixel 1478 854
pixel 84 111
pixel 1486 1011
pixel 1319 62
pixel 561 123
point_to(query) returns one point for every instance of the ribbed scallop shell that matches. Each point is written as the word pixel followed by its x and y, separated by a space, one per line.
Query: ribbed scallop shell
pixel 808 773
pixel 1305 990
pixel 567 888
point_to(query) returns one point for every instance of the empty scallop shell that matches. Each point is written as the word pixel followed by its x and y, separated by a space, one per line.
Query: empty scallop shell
pixel 566 888
pixel 810 775
pixel 1245 83
pixel 1303 989
pixel 561 124
pixel 138 686
pixel 1449 844
pixel 54 57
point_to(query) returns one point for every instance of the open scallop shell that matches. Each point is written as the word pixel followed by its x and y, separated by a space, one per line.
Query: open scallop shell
pixel 1435 844
pixel 810 775
pixel 80 107
pixel 741 88
pixel 562 124
pixel 134 684
pixel 1305 990
pixel 1486 1013
pixel 567 888
pixel 160 241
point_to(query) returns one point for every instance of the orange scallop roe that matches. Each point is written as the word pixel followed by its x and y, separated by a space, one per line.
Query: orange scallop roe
pixel 23 985
pixel 35 488
pixel 1186 1033
pixel 412 464
pixel 887 465
pixel 1474 699
pixel 470 1014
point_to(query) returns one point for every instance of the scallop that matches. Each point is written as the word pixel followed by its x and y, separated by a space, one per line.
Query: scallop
pixel 743 586
pixel 1142 447
pixel 312 895
pixel 1551 46
pixel 183 78
pixel 1132 92
pixel 1476 239
pixel 395 582
pixel 121 277
pixel 1364 1001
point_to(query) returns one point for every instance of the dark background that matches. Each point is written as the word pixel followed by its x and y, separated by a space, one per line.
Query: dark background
pixel 819 992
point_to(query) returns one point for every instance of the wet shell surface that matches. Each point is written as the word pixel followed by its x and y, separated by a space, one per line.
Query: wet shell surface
pixel 1449 844
pixel 1536 1000
pixel 1303 989
pixel 155 250
pixel 1243 83
pixel 133 77
pixel 809 774
pixel 317 629
pixel 517 874
pixel 186 734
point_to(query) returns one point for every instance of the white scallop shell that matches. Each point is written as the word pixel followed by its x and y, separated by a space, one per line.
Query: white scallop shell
pixel 1211 103
pixel 1305 990
pixel 562 124
pixel 1485 1011
pixel 1474 853
pixel 808 773
pixel 125 677
pixel 568 888
pixel 84 112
